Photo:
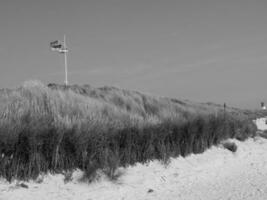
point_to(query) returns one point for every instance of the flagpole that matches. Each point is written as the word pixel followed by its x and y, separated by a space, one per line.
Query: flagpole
pixel 66 63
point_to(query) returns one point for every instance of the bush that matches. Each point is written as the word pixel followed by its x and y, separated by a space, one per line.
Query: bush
pixel 231 146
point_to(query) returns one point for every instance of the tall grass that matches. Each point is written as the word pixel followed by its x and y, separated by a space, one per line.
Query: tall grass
pixel 60 128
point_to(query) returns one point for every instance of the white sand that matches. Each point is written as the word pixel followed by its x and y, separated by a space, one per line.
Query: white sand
pixel 215 174
pixel 261 123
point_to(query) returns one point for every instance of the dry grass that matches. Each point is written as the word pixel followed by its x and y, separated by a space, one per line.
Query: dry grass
pixel 60 128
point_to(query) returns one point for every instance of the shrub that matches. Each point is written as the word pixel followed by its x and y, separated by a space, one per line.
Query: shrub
pixel 231 146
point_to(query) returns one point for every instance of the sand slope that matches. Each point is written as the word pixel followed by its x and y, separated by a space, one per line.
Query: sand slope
pixel 215 174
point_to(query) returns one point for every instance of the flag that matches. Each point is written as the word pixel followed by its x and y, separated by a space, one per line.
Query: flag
pixel 58 46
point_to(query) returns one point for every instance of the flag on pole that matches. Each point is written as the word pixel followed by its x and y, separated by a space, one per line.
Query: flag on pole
pixel 58 46
pixel 61 47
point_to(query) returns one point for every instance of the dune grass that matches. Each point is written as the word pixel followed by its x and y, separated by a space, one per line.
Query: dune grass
pixel 56 128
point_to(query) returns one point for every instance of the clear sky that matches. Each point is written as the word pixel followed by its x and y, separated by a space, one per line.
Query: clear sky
pixel 202 50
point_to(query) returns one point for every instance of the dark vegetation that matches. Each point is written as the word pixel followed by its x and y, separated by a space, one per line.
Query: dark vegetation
pixel 263 134
pixel 57 128
pixel 231 146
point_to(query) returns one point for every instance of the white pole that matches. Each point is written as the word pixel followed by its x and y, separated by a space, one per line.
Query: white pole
pixel 66 63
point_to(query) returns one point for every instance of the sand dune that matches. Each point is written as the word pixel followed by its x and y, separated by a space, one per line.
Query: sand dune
pixel 216 174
